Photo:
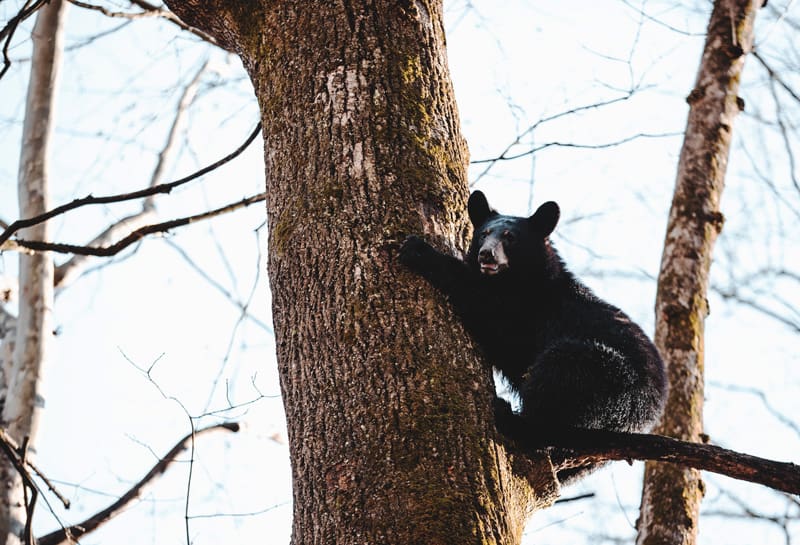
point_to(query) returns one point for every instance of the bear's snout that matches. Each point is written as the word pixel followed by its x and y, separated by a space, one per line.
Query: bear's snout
pixel 492 257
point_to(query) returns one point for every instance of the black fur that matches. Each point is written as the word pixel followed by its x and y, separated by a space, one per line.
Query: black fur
pixel 575 361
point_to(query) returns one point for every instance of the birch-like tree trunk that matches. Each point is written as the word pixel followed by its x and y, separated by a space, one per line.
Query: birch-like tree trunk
pixel 387 404
pixel 672 494
pixel 22 371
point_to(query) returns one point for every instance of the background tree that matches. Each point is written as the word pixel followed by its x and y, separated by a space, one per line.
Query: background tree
pixel 26 346
pixel 672 495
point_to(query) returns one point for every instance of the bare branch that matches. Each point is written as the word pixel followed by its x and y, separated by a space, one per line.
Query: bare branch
pixel 172 18
pixel 18 460
pixel 782 521
pixel 69 270
pixel 149 11
pixel 115 14
pixel 104 251
pixel 787 140
pixel 92 523
pixel 9 442
pixel 593 446
pixel 89 199
pixel 7 33
pixel 733 295
pixel 542 121
pixel 775 76
pixel 659 22
pixel 238 303
pixel 782 418
pixel 574 145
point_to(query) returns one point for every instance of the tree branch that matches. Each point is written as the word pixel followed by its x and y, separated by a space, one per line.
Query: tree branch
pixel 89 199
pixel 149 10
pixel 540 147
pixel 518 139
pixel 92 523
pixel 775 76
pixel 105 251
pixel 219 18
pixel 599 446
pixel 7 33
pixel 73 267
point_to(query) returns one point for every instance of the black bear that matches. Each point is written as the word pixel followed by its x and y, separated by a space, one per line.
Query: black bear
pixel 575 361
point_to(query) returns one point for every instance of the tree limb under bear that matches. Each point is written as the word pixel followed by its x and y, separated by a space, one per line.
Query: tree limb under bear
pixel 600 446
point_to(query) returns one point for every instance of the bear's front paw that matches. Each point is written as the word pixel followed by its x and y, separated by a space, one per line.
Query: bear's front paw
pixel 413 252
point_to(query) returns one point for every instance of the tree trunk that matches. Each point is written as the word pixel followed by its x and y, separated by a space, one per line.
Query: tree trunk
pixel 22 374
pixel 387 403
pixel 672 495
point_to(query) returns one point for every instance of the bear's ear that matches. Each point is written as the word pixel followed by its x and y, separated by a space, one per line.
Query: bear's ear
pixel 478 208
pixel 544 220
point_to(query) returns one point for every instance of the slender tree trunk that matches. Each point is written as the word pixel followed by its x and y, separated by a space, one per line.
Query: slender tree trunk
pixel 23 402
pixel 387 403
pixel 672 495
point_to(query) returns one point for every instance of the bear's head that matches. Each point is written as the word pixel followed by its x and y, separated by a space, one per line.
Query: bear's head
pixel 509 243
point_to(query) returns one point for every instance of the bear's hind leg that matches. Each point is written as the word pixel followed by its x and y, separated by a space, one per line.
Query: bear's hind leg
pixel 579 384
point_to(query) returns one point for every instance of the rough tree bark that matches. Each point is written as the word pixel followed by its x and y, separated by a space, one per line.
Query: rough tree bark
pixel 391 438
pixel 22 403
pixel 672 494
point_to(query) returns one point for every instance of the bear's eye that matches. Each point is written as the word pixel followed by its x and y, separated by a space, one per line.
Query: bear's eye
pixel 508 236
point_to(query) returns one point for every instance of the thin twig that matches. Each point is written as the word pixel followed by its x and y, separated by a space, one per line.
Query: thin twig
pixel 93 522
pixel 574 145
pixel 18 458
pixel 149 11
pixel 69 270
pixel 174 19
pixel 542 121
pixel 775 76
pixel 30 503
pixel 7 33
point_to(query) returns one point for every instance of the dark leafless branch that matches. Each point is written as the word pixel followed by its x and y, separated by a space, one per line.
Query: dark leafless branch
pixel 161 188
pixel 70 269
pixel 138 234
pixel 92 523
pixel 148 11
pixel 576 498
pixel 29 487
pixel 600 446
pixel 171 17
pixel 116 14
pixel 9 443
pixel 7 33
pixel 18 457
